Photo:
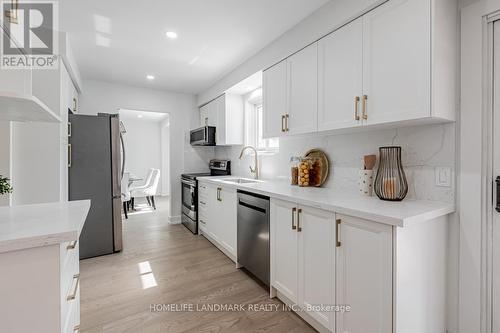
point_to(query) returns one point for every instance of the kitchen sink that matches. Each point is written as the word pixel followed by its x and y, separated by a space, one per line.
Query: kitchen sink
pixel 241 181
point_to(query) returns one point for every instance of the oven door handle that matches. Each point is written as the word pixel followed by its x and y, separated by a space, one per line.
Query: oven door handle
pixel 190 183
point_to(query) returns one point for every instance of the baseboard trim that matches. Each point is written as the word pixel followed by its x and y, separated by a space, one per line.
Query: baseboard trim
pixel 174 219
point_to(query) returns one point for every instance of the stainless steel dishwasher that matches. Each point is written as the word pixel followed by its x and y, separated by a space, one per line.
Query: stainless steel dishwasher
pixel 253 234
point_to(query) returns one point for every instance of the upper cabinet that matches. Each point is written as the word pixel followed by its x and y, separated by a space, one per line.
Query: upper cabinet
pixel 340 79
pixel 274 100
pixel 290 91
pixel 397 61
pixel 302 80
pixel 226 113
pixel 393 66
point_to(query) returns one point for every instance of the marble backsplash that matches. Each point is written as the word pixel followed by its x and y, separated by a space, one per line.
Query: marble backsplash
pixel 423 149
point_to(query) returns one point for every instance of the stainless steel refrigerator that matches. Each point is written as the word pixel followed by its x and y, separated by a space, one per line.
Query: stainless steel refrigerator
pixel 94 164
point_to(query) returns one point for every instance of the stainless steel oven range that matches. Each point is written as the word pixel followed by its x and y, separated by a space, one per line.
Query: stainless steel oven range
pixel 190 192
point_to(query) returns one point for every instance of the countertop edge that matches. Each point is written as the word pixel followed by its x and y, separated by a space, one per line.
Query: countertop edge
pixel 24 243
pixel 431 214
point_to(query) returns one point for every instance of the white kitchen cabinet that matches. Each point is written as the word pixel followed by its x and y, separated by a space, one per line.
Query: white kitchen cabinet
pixel 218 216
pixel 397 61
pixel 395 65
pixel 284 249
pixel 364 275
pixel 340 80
pixel 302 257
pixel 316 235
pixel 227 214
pixel 226 113
pixel 204 115
pixel 302 80
pixel 275 100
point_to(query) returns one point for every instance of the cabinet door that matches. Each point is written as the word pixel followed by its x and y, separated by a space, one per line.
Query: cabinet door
pixel 220 105
pixel 316 239
pixel 303 91
pixel 275 100
pixel 364 276
pixel 284 248
pixel 227 213
pixel 212 113
pixel 204 115
pixel 340 87
pixel 396 61
pixel 213 222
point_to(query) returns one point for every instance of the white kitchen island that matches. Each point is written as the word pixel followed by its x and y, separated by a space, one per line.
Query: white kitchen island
pixel 385 260
pixel 39 266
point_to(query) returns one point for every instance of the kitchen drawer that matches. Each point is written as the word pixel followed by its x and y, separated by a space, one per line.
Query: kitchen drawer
pixel 69 277
pixel 69 252
pixel 71 320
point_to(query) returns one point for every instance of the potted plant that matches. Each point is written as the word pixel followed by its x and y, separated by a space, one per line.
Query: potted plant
pixel 5 185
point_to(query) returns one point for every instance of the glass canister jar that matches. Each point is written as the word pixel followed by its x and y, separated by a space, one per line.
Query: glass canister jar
pixel 294 170
pixel 305 167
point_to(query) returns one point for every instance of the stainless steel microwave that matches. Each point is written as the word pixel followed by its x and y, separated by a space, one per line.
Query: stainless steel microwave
pixel 203 136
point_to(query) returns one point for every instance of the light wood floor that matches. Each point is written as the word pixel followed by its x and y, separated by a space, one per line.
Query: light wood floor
pixel 178 267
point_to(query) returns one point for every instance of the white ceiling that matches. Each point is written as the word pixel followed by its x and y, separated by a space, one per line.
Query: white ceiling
pixel 124 40
pixel 142 115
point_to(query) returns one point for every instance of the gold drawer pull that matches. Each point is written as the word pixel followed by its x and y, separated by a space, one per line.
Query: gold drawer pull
pixel 72 245
pixel 287 120
pixel 337 233
pixel 293 218
pixel 283 129
pixel 72 296
pixel 76 328
pixel 356 105
pixel 365 113
pixel 299 228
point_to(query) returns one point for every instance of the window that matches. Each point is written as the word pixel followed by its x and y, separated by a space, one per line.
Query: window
pixel 263 144
pixel 254 124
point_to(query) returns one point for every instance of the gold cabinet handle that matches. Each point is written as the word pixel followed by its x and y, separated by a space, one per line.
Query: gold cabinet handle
pixel 69 156
pixel 365 113
pixel 283 123
pixel 337 233
pixel 287 118
pixel 76 328
pixel 69 130
pixel 74 105
pixel 219 198
pixel 72 245
pixel 356 106
pixel 294 227
pixel 72 296
pixel 299 229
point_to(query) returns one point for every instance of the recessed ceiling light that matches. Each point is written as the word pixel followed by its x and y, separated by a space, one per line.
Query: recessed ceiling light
pixel 171 34
pixel 139 116
pixel 150 77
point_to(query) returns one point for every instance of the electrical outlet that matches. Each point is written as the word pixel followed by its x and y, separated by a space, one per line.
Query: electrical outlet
pixel 443 176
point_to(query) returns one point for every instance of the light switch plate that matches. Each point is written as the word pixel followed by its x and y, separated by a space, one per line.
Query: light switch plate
pixel 443 176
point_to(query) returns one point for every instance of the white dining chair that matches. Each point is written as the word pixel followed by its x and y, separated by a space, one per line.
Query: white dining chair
pixel 147 182
pixel 125 193
pixel 148 192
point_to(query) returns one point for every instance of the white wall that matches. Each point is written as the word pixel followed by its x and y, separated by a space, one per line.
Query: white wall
pixel 107 97
pixel 142 147
pixel 165 155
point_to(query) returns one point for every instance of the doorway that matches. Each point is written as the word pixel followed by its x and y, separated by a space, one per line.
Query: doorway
pixel 146 151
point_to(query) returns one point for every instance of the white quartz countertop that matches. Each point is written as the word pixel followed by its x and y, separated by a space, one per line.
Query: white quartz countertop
pixel 28 226
pixel 371 208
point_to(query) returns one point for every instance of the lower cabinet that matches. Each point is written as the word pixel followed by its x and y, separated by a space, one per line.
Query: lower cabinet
pixel 218 221
pixel 46 279
pixel 303 258
pixel 364 275
pixel 320 261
